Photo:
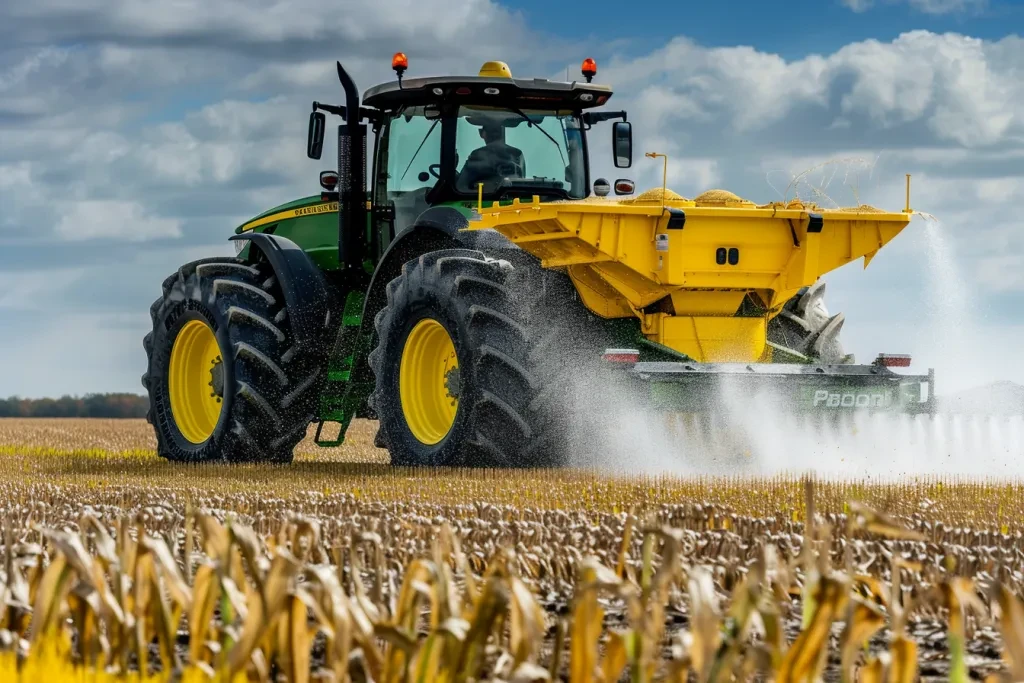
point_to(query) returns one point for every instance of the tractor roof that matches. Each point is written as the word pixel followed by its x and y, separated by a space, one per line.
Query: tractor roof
pixel 493 84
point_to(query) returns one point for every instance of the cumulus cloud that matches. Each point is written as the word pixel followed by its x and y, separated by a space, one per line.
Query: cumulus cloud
pixel 966 91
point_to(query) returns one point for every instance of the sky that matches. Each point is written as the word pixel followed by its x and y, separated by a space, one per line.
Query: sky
pixel 136 135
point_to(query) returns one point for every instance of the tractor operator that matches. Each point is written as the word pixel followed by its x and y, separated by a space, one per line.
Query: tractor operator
pixel 493 161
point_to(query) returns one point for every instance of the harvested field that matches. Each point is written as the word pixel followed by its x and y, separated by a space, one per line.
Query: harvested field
pixel 340 564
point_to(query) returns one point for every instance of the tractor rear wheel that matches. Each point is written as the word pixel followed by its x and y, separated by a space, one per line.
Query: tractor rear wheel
pixel 225 380
pixel 452 383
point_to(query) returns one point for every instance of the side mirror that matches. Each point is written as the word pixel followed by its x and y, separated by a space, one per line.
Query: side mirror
pixel 315 136
pixel 622 144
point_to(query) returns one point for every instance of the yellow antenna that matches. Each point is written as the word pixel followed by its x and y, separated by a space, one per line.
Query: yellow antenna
pixel 480 197
pixel 664 175
pixel 908 209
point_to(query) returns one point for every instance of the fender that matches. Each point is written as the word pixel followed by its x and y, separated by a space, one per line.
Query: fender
pixel 439 227
pixel 453 223
pixel 305 289
pixel 407 245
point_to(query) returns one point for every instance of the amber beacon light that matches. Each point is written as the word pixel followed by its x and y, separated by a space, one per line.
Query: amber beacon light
pixel 399 63
pixel 589 69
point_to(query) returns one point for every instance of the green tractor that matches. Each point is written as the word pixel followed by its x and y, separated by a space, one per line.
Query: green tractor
pixel 471 345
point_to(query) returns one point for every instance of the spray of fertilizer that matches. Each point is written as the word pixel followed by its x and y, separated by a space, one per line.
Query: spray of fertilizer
pixel 753 436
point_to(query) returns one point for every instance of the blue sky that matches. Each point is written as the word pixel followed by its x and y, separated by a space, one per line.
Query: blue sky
pixel 135 136
pixel 791 29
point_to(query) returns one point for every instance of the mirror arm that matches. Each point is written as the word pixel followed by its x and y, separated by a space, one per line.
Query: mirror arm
pixel 365 113
pixel 330 108
pixel 592 117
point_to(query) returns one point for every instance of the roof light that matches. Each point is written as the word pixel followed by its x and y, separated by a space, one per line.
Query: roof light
pixel 463 91
pixel 399 62
pixel 490 91
pixel 893 360
pixel 586 97
pixel 438 92
pixel 589 69
pixel 495 70
pixel 620 356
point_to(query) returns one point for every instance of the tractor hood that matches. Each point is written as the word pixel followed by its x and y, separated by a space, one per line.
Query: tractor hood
pixel 294 209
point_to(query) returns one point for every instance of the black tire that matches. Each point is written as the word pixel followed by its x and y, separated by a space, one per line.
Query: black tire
pixel 466 293
pixel 270 391
pixel 804 325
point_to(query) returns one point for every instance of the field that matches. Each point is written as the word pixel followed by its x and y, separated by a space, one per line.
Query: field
pixel 340 568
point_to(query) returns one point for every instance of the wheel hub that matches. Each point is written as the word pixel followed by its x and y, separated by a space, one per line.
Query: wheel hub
pixel 428 381
pixel 195 381
pixel 451 383
pixel 217 379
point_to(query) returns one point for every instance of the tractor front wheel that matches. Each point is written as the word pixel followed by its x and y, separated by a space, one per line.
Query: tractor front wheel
pixel 225 380
pixel 452 386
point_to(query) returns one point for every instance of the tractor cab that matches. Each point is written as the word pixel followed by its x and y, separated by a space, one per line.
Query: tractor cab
pixel 459 140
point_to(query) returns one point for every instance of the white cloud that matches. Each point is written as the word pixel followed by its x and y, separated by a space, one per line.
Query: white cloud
pixel 107 218
pixel 947 80
pixel 20 72
pixel 967 91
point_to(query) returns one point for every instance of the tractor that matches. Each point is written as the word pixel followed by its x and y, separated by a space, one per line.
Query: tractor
pixel 487 302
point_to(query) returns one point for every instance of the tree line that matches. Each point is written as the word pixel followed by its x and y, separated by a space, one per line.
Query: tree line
pixel 91 405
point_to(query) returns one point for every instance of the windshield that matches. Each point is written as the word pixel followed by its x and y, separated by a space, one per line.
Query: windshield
pixel 498 147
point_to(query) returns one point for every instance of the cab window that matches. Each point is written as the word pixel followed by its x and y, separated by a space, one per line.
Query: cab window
pixel 412 161
pixel 493 144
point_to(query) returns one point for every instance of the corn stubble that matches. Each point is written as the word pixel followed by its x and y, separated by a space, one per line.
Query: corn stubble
pixel 122 570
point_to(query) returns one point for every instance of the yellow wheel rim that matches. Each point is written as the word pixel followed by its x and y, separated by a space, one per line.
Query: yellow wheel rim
pixel 428 362
pixel 195 358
